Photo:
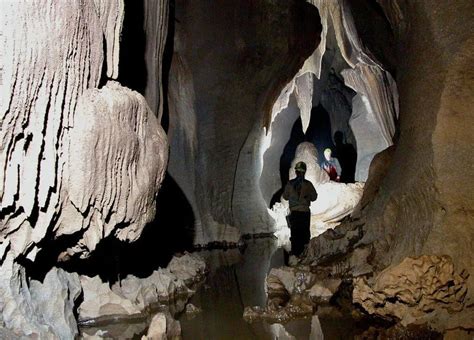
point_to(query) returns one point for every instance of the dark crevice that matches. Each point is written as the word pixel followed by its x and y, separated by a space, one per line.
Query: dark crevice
pixel 103 75
pixel 132 64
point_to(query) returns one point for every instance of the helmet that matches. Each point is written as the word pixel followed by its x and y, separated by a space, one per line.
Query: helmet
pixel 327 150
pixel 300 166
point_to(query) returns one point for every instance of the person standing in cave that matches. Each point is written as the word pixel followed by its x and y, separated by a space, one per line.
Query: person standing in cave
pixel 300 193
pixel 331 166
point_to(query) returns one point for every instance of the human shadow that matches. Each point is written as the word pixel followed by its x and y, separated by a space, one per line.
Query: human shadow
pixel 347 156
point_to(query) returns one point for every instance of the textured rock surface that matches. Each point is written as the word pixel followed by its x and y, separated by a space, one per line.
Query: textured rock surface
pixel 235 65
pixel 65 128
pixel 75 160
pixel 38 309
pixel 413 288
pixel 95 201
pixel 155 23
pixel 100 300
pixel 32 106
pixel 375 106
pixel 157 329
pixel 132 294
pixel 424 208
pixel 423 204
pixel 273 147
pixel 379 168
pixel 54 299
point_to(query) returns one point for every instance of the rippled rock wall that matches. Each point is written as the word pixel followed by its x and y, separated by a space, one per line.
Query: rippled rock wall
pixel 81 158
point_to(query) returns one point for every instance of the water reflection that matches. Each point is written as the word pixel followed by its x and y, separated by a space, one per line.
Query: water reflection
pixel 236 280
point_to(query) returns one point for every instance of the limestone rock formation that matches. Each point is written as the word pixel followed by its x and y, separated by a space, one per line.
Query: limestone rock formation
pixel 418 201
pixel 75 160
pixel 157 329
pixel 412 289
pixel 42 309
pixel 233 69
pixel 156 16
pixel 306 152
pixel 375 106
pixel 378 169
pixel 423 204
pixel 132 294
pixel 54 300
pixel 118 154
pixel 100 300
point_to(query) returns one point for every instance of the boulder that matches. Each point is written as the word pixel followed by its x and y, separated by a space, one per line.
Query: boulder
pixel 55 300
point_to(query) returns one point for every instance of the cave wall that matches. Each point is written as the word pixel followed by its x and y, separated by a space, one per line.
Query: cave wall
pixel 81 157
pixel 424 205
pixel 233 59
pixel 374 108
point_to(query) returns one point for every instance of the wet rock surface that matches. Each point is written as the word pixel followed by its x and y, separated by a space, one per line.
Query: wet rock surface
pixel 293 292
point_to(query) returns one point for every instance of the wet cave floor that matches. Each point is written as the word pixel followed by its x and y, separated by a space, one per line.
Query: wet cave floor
pixel 236 279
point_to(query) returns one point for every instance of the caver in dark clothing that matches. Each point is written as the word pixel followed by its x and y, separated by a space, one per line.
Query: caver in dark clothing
pixel 300 233
pixel 300 193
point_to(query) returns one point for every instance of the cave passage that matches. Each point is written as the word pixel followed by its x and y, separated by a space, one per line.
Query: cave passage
pixel 145 146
